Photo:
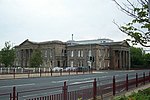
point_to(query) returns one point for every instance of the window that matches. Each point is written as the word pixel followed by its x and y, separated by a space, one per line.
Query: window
pixel 45 54
pixel 71 63
pixel 50 53
pixel 108 53
pixel 71 53
pixel 62 52
pixel 79 53
pixel 90 54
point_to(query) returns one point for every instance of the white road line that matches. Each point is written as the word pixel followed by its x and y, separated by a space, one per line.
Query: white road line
pixel 81 82
pixel 19 85
pixel 62 81
pixel 85 87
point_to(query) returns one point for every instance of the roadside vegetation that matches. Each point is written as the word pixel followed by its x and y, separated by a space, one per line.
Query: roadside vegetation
pixel 141 95
pixel 139 59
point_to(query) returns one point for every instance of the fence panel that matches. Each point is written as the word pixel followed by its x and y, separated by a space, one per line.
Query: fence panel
pixel 49 92
pixel 6 96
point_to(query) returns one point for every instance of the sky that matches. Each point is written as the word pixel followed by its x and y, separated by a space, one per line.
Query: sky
pixel 47 20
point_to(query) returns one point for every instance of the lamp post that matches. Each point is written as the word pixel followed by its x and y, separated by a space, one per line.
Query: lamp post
pixel 149 9
pixel 149 12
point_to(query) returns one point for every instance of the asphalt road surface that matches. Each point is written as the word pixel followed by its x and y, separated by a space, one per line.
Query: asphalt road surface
pixel 103 77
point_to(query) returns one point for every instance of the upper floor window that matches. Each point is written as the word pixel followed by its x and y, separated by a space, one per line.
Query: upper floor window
pixel 108 52
pixel 90 53
pixel 50 52
pixel 62 52
pixel 79 53
pixel 72 53
pixel 45 54
pixel 82 53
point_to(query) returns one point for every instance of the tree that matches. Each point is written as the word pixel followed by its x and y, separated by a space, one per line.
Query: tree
pixel 36 58
pixel 139 27
pixel 7 55
pixel 147 60
pixel 137 55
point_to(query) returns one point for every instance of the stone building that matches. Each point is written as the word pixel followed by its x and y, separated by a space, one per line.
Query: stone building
pixel 53 53
pixel 97 54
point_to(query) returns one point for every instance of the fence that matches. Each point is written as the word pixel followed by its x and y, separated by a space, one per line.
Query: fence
pixel 88 90
pixel 9 73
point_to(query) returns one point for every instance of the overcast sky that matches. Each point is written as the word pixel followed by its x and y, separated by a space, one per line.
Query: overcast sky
pixel 47 20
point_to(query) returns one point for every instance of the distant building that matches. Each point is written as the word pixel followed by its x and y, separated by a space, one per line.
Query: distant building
pixel 97 54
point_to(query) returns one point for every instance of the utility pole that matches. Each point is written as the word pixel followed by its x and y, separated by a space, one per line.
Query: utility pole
pixel 149 9
pixel 149 12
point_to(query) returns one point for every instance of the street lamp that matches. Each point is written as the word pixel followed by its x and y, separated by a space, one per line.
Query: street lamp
pixel 149 12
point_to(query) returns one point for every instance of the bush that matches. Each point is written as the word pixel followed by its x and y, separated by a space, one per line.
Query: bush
pixel 141 95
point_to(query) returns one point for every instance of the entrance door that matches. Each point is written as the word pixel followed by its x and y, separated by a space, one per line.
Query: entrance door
pixel 58 63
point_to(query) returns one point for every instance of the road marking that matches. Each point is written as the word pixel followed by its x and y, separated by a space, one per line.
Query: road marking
pixel 81 82
pixel 62 81
pixel 17 85
pixel 99 72
pixel 85 87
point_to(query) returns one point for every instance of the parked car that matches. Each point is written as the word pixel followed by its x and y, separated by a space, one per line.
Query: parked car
pixel 57 69
pixel 70 69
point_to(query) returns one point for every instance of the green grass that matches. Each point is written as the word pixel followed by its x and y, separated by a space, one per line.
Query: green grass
pixel 141 95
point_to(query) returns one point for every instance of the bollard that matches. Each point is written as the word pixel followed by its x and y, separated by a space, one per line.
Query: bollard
pixel 94 89
pixel 114 86
pixel 127 82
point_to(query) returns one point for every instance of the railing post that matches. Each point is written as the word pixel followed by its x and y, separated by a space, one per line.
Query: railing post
pixel 83 71
pixel 60 72
pixel 28 73
pixel 114 86
pixel 14 73
pixel 10 96
pixel 40 73
pixel 65 91
pixel 51 72
pixel 136 80
pixel 76 71
pixel 69 71
pixel 144 78
pixel 127 82
pixel 94 89
pixel 14 93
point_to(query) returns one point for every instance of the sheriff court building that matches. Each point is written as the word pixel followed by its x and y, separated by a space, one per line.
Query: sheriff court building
pixel 98 53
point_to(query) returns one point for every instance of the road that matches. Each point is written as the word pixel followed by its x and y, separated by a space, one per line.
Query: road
pixel 103 77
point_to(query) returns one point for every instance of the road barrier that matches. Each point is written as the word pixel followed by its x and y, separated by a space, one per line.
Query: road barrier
pixel 86 90
pixel 13 73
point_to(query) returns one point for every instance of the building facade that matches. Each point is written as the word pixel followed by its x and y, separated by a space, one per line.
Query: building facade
pixel 92 53
pixel 53 53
